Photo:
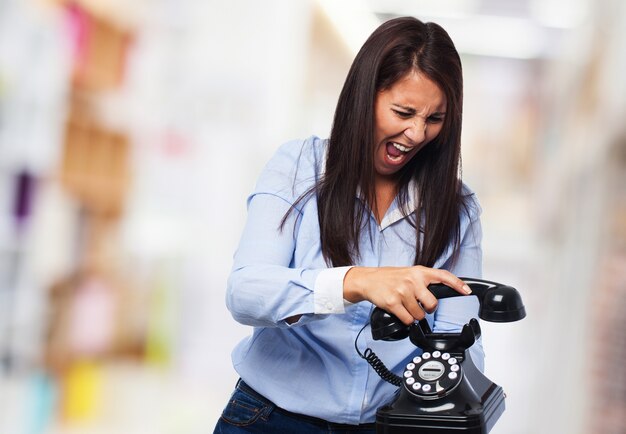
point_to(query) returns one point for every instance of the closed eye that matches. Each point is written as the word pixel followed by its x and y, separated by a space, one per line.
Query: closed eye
pixel 403 114
pixel 435 119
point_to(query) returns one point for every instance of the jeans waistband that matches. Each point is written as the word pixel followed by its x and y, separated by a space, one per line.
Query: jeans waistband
pixel 241 385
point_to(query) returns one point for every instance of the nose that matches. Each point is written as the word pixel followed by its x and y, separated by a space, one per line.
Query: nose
pixel 416 131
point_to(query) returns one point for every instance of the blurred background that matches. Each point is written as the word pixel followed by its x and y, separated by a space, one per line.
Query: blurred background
pixel 132 132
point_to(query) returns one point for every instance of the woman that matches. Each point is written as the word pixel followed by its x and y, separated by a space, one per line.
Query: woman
pixel 369 217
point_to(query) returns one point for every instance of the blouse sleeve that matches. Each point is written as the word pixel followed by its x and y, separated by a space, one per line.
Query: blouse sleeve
pixel 264 288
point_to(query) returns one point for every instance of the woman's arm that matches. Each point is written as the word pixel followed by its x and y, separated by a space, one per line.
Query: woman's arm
pixel 402 291
pixel 263 289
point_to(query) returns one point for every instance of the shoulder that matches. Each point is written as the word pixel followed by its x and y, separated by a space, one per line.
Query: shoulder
pixel 471 209
pixel 293 169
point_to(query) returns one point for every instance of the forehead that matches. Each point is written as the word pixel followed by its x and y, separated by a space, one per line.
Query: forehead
pixel 415 90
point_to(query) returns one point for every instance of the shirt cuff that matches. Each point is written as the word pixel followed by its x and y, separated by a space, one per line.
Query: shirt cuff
pixel 328 291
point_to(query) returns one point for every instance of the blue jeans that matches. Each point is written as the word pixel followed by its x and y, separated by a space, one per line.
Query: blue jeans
pixel 249 412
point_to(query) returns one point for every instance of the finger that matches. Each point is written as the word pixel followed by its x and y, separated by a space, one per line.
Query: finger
pixel 449 279
pixel 403 315
pixel 414 308
pixel 427 300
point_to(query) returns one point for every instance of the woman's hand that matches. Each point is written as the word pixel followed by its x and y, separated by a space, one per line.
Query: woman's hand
pixel 402 291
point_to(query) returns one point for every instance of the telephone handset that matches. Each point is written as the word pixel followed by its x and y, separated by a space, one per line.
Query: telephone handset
pixel 442 391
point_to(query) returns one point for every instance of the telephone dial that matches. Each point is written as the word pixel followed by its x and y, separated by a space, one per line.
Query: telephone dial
pixel 442 391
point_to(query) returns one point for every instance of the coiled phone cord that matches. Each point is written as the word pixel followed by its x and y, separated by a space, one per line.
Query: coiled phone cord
pixel 377 364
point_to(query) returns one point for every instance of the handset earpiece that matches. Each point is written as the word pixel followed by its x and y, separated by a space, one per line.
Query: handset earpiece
pixel 498 302
pixel 502 303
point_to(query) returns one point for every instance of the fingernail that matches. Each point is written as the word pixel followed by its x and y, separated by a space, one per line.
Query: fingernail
pixel 467 289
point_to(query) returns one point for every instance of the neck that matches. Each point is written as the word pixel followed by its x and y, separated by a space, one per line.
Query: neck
pixel 385 190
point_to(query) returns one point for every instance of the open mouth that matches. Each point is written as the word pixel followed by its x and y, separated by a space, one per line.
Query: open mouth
pixel 396 152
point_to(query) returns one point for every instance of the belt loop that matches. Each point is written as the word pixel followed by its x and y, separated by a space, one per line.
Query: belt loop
pixel 269 405
pixel 268 410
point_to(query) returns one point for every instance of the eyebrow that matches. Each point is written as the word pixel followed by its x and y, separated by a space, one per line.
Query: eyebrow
pixel 413 111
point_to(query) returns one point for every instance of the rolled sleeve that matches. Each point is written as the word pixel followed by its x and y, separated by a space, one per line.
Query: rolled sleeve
pixel 328 291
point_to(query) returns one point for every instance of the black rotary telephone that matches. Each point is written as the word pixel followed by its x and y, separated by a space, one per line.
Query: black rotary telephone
pixel 442 391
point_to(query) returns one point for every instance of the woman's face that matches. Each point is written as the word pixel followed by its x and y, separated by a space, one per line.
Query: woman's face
pixel 408 115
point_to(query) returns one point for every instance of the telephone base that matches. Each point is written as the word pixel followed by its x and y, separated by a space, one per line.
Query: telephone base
pixel 473 407
pixel 397 419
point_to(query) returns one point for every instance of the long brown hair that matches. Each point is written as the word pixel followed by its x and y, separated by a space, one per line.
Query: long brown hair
pixel 396 48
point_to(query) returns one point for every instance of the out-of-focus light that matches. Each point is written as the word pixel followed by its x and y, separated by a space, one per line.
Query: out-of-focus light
pixel 475 34
pixel 496 36
pixel 353 20
pixel 425 8
pixel 559 14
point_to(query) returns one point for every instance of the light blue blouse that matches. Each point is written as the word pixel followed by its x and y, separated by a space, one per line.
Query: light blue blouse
pixel 311 367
